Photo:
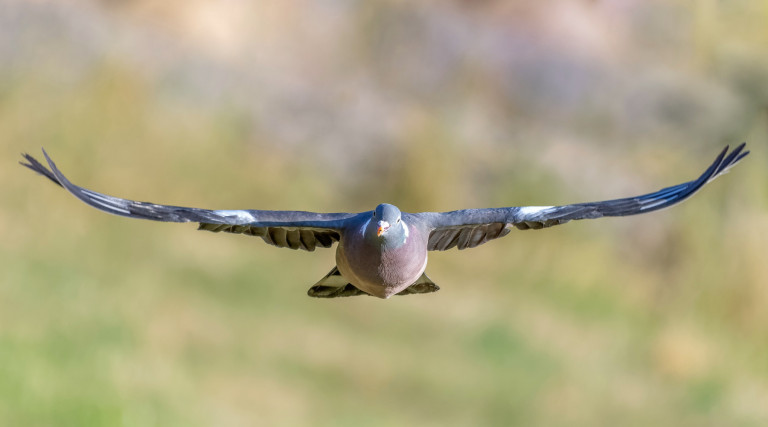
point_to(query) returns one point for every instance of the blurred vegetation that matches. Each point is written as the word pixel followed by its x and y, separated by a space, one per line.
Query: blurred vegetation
pixel 659 319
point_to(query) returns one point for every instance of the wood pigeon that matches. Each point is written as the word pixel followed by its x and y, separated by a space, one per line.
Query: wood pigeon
pixel 384 252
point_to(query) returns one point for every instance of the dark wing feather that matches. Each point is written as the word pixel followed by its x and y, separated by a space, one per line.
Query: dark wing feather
pixel 472 227
pixel 285 229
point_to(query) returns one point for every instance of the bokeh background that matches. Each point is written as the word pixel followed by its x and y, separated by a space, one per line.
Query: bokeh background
pixel 337 105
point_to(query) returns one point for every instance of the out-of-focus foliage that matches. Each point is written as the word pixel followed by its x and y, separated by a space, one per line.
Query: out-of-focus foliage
pixel 337 105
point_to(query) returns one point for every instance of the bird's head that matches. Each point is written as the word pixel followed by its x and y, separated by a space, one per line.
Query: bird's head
pixel 386 219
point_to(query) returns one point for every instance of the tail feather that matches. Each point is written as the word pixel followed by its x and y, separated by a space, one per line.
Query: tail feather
pixel 334 285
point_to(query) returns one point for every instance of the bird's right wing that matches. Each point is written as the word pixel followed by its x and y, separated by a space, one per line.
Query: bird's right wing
pixel 285 229
pixel 473 227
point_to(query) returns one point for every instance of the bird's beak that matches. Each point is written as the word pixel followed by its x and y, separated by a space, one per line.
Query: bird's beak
pixel 383 226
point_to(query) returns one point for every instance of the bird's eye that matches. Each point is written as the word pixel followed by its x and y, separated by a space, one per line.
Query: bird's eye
pixel 398 220
pixel 374 214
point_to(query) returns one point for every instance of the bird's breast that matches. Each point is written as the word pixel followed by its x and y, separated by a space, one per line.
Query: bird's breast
pixel 382 272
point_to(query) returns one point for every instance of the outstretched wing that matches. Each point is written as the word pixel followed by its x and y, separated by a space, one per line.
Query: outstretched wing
pixel 472 227
pixel 285 229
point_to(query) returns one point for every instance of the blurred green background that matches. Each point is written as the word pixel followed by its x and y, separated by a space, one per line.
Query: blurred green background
pixel 336 105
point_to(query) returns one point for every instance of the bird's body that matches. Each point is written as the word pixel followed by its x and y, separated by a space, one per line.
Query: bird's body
pixel 382 265
pixel 384 252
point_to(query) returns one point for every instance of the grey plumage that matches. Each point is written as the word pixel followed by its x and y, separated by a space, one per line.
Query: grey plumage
pixel 384 252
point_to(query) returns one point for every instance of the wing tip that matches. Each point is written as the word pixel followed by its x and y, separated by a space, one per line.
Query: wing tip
pixel 724 164
pixel 36 166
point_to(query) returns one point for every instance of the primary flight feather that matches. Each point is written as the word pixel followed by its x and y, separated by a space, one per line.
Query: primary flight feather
pixel 384 252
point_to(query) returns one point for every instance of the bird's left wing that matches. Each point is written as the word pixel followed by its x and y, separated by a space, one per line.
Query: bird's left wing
pixel 473 227
pixel 285 229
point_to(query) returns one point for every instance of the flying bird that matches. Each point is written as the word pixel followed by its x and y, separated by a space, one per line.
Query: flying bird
pixel 383 252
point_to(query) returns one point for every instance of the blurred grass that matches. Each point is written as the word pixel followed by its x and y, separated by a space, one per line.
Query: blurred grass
pixel 651 320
